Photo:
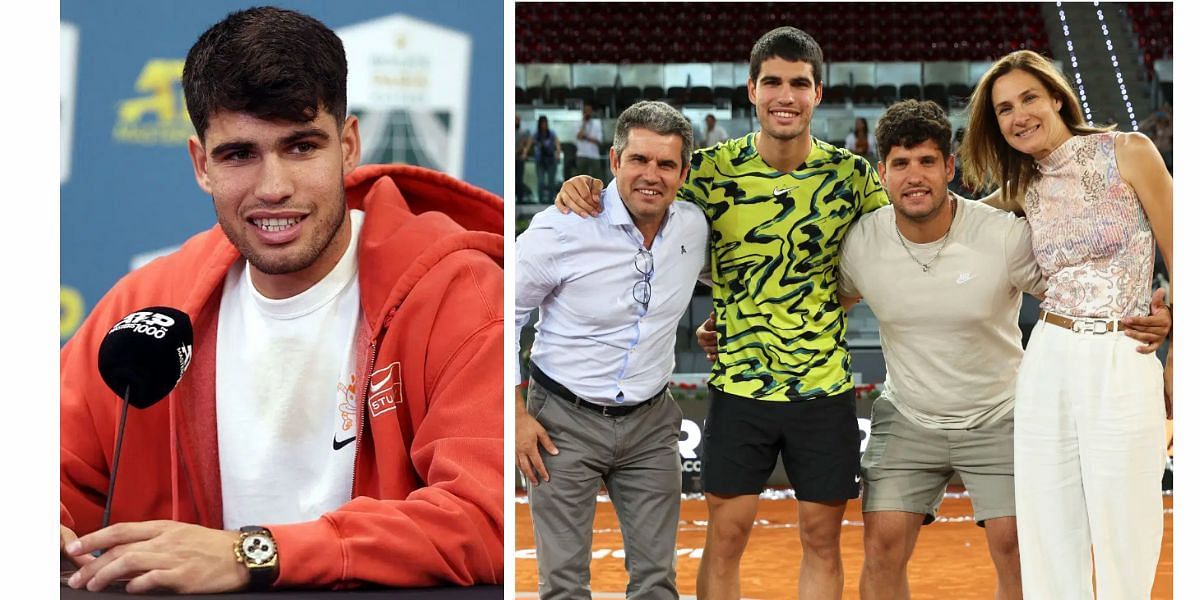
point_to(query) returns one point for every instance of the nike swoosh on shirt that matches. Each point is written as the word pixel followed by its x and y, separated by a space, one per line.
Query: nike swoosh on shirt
pixel 779 192
pixel 338 445
pixel 376 387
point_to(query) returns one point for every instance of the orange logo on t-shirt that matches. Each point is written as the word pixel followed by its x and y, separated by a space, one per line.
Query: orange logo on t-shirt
pixel 348 396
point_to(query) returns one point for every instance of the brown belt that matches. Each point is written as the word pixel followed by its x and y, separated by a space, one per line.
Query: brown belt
pixel 1084 325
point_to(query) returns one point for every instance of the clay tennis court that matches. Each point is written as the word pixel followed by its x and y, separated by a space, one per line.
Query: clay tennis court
pixel 951 560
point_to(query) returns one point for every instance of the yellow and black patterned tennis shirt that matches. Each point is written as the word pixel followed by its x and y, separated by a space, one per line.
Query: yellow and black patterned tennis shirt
pixel 774 254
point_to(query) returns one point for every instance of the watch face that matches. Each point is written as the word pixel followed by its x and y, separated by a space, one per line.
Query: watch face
pixel 258 549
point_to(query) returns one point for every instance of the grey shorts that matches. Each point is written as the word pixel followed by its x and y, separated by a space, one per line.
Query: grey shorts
pixel 906 466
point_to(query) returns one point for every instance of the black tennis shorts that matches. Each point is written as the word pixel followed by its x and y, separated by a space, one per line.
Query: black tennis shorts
pixel 817 438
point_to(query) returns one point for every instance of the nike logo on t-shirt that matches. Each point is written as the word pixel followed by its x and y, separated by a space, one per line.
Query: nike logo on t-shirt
pixel 338 445
pixel 780 192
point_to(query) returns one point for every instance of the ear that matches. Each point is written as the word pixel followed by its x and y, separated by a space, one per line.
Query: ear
pixel 820 94
pixel 614 161
pixel 1058 103
pixel 351 145
pixel 879 166
pixel 751 92
pixel 950 168
pixel 199 164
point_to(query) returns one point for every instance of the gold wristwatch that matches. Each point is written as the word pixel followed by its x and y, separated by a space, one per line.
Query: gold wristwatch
pixel 256 549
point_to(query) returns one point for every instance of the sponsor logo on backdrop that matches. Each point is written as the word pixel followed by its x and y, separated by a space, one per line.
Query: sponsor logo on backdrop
pixel 68 65
pixel 689 442
pixel 158 115
pixel 408 85
pixel 70 312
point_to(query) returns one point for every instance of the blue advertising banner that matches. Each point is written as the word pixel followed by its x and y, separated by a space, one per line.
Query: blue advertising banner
pixel 424 78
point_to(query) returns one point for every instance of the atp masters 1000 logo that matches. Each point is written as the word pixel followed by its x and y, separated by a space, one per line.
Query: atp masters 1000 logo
pixel 159 117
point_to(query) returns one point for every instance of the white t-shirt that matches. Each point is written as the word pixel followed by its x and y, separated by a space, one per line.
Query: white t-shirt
pixel 949 336
pixel 714 136
pixel 287 395
pixel 588 148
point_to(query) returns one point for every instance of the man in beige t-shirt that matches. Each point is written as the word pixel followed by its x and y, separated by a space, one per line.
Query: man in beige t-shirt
pixel 944 277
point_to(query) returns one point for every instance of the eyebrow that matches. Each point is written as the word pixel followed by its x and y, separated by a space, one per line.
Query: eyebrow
pixel 665 162
pixel 804 78
pixel 1020 95
pixel 232 147
pixel 292 138
pixel 918 158
pixel 312 132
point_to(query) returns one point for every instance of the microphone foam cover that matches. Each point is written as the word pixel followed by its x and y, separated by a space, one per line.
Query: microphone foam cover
pixel 148 352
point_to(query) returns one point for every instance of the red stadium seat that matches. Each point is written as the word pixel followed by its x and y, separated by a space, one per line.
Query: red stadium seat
pixel 847 31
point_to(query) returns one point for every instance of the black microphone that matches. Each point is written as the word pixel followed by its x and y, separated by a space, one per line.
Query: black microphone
pixel 142 358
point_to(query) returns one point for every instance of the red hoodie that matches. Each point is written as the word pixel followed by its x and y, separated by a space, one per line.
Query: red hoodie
pixel 427 493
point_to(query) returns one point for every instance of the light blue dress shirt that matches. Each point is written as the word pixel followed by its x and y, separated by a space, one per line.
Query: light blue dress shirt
pixel 593 336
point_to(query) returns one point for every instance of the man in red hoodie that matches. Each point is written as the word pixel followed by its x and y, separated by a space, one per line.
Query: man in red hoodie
pixel 341 420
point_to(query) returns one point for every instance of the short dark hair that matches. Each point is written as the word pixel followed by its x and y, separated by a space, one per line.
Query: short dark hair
pixel 911 122
pixel 659 117
pixel 787 43
pixel 269 62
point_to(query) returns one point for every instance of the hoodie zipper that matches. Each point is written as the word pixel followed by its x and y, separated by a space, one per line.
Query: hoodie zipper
pixel 362 402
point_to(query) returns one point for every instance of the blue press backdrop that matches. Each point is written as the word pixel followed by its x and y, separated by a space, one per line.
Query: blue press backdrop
pixel 124 198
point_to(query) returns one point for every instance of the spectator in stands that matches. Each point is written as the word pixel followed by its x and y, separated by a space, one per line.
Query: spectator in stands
pixel 956 184
pixel 1160 128
pixel 1089 410
pixel 860 141
pixel 713 133
pixel 546 152
pixel 524 143
pixel 588 160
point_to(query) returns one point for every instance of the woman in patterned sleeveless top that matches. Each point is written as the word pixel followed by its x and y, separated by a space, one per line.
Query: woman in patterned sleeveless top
pixel 1089 412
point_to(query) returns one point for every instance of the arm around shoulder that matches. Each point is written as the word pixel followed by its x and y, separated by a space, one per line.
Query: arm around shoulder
pixel 997 199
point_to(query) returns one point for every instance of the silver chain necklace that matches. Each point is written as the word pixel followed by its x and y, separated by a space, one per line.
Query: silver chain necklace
pixel 945 240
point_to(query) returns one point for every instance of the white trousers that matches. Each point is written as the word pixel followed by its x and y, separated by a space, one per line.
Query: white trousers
pixel 1090 448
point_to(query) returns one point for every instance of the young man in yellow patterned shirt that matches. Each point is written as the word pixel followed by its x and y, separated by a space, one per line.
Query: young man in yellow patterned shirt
pixel 779 203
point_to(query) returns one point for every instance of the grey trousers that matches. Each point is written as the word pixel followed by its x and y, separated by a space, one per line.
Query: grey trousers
pixel 637 458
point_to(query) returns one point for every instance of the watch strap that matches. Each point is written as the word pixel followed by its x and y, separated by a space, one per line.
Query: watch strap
pixel 262 577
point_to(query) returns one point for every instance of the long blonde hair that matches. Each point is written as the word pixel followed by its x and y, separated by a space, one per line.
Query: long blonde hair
pixel 987 158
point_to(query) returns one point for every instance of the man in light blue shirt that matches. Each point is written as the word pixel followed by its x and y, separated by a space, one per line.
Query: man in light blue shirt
pixel 610 292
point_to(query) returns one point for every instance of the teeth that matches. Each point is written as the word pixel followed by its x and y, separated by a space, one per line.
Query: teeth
pixel 276 224
pixel 650 192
